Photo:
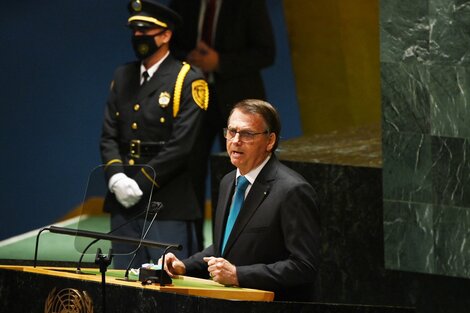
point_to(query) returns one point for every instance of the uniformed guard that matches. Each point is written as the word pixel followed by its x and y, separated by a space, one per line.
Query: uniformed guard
pixel 152 124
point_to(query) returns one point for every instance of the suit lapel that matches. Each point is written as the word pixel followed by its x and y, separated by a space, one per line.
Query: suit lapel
pixel 258 193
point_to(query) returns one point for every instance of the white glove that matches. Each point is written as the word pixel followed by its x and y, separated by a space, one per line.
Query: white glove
pixel 126 189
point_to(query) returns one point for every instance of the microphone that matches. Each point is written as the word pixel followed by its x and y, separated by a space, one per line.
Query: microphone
pixel 153 209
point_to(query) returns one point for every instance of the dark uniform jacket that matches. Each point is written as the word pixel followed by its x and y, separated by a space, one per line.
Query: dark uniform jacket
pixel 165 115
pixel 244 40
pixel 275 241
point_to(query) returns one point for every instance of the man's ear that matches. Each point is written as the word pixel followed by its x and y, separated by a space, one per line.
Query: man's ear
pixel 271 142
pixel 167 36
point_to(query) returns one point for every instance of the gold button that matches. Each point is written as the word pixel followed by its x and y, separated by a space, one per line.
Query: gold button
pixel 134 126
pixel 136 107
pixel 131 162
pixel 162 120
pixel 117 113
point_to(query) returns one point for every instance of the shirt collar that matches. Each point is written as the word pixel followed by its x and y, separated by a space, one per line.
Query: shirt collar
pixel 151 70
pixel 251 175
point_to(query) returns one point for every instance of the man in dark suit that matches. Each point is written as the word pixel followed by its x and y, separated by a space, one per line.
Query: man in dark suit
pixel 153 118
pixel 231 41
pixel 274 242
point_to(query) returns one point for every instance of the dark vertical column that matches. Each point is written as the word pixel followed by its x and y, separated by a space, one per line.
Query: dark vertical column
pixel 425 57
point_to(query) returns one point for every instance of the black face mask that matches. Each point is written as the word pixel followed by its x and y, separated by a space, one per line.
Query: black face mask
pixel 144 46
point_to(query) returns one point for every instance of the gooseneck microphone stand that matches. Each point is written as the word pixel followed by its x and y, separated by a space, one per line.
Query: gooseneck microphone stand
pixel 159 279
pixel 103 262
pixel 162 282
pixel 155 207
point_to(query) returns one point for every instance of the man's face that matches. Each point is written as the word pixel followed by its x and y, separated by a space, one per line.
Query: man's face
pixel 246 155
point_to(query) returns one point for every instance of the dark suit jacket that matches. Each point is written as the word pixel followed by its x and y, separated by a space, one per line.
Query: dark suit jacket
pixel 275 241
pixel 172 165
pixel 244 40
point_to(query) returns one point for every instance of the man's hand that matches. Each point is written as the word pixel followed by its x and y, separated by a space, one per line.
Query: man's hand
pixel 204 57
pixel 126 189
pixel 173 266
pixel 222 271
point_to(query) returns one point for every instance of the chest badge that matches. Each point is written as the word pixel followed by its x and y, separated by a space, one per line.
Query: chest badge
pixel 164 99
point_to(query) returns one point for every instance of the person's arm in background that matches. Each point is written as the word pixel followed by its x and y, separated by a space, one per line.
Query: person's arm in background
pixel 244 46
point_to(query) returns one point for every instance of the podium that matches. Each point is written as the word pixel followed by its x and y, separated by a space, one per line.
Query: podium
pixel 29 289
pixel 181 284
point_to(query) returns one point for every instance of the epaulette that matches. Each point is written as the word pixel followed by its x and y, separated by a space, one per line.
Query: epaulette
pixel 199 90
pixel 178 86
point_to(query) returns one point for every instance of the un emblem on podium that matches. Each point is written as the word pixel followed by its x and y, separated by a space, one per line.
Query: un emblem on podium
pixel 68 301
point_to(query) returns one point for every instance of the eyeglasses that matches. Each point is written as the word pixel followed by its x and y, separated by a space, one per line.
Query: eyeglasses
pixel 244 136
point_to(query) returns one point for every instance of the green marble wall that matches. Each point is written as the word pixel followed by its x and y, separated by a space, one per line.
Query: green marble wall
pixel 425 83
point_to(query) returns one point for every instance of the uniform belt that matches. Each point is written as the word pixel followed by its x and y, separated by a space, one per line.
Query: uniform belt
pixel 137 148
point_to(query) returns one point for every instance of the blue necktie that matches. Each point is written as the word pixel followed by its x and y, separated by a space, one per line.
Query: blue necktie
pixel 235 208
